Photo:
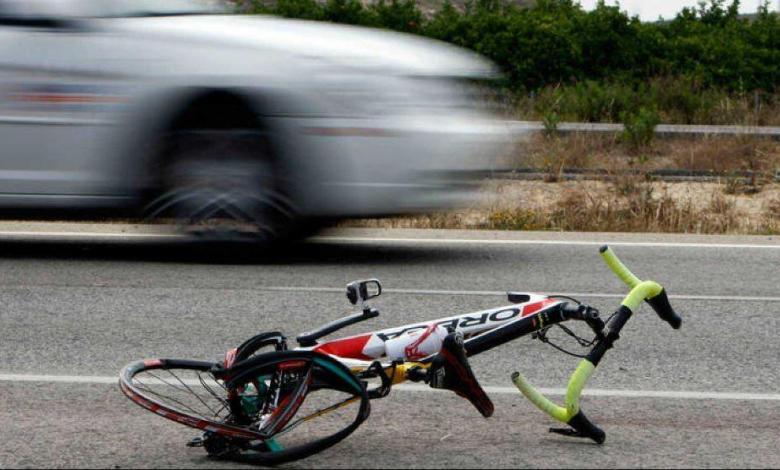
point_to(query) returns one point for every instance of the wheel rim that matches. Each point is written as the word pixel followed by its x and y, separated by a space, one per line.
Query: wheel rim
pixel 262 406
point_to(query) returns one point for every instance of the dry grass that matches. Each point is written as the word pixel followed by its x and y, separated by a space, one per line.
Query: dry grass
pixel 622 205
pixel 644 209
pixel 723 156
pixel 437 220
pixel 553 154
pixel 772 207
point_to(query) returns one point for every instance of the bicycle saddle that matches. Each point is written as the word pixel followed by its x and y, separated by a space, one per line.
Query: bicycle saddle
pixel 450 370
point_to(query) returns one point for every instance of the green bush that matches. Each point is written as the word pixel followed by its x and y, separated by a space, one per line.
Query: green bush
pixel 399 15
pixel 639 128
pixel 550 122
pixel 599 64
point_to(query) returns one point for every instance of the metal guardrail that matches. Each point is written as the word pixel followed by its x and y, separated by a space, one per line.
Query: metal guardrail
pixel 527 127
pixel 661 129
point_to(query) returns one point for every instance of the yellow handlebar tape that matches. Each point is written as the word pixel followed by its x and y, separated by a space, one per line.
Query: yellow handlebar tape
pixel 576 383
pixel 619 268
pixel 645 290
pixel 640 290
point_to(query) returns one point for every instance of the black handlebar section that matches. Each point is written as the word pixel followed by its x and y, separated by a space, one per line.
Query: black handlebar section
pixel 663 308
pixel 622 315
pixel 587 429
pixel 582 427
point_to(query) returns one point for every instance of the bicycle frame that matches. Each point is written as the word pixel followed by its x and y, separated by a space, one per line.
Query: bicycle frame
pixel 483 330
pixel 364 349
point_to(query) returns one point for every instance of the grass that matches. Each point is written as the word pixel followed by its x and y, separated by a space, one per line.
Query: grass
pixel 624 204
pixel 722 156
pixel 628 205
pixel 643 209
pixel 672 100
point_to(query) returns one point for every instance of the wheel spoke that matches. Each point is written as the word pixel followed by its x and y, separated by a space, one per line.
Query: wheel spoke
pixel 174 400
pixel 192 392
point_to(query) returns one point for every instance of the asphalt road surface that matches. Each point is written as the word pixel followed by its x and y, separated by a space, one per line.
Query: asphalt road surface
pixel 76 304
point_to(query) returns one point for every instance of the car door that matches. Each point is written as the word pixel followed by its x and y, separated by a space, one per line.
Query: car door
pixel 57 104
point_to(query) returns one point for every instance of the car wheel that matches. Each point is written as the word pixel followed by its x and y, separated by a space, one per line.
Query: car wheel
pixel 221 185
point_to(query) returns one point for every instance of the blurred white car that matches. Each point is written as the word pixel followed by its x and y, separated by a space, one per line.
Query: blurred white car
pixel 182 111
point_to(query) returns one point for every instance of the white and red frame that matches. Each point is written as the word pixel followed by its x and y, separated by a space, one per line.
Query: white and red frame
pixel 365 348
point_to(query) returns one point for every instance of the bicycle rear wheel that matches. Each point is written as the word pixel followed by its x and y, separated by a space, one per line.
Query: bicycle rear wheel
pixel 273 408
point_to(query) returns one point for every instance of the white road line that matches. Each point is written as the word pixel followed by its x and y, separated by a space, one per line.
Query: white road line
pixel 597 392
pixel 596 295
pixel 378 240
pixel 464 241
pixel 87 235
pixel 594 392
pixel 69 379
pixel 423 292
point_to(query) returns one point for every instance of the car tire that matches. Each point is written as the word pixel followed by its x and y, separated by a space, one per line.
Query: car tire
pixel 221 185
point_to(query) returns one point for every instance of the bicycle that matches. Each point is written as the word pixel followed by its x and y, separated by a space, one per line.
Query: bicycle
pixel 267 404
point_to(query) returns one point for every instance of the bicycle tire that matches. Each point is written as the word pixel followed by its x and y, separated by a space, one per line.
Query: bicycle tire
pixel 255 444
